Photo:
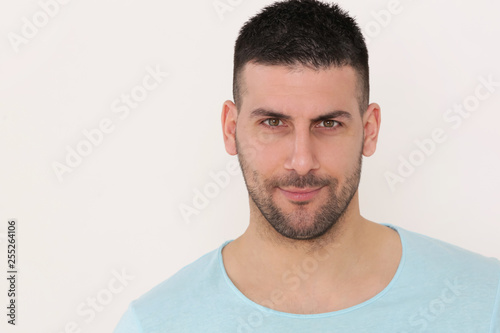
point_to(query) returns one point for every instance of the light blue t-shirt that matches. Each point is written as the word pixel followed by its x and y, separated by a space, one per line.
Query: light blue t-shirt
pixel 438 287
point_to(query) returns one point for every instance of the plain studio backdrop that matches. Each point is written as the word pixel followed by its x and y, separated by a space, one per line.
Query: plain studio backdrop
pixel 112 158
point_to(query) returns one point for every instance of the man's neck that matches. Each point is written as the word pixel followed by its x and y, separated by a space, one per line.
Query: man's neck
pixel 353 261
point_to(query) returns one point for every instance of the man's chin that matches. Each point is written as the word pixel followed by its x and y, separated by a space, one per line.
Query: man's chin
pixel 298 226
pixel 302 235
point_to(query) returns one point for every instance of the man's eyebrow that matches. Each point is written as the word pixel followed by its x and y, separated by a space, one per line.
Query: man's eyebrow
pixel 333 114
pixel 261 112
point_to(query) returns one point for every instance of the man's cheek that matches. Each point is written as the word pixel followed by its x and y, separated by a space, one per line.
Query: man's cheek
pixel 252 152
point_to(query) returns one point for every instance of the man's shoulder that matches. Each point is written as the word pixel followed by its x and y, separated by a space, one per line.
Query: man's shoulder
pixel 442 287
pixel 429 254
pixel 192 279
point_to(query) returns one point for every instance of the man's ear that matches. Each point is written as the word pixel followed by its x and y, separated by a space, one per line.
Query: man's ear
pixel 371 126
pixel 228 119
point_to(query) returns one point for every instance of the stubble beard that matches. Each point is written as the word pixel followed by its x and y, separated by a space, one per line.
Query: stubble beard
pixel 302 223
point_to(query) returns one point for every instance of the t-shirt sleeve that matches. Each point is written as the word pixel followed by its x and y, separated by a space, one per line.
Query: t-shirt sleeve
pixel 128 322
pixel 495 321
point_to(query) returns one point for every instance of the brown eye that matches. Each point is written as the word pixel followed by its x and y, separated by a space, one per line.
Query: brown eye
pixel 330 123
pixel 273 122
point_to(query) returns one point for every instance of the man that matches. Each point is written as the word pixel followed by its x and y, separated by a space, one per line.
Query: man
pixel 308 261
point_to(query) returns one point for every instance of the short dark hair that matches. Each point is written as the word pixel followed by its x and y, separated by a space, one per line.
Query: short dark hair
pixel 302 32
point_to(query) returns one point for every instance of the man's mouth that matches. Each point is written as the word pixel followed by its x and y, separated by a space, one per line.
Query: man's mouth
pixel 300 194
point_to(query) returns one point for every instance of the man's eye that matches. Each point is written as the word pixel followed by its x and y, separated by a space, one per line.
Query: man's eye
pixel 273 122
pixel 330 123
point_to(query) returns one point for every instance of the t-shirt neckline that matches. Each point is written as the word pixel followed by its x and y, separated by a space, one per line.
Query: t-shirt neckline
pixel 316 315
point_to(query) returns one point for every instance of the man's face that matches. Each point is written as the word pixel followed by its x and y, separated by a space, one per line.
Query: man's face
pixel 299 139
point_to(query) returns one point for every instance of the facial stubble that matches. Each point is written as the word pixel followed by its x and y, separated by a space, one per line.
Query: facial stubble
pixel 301 223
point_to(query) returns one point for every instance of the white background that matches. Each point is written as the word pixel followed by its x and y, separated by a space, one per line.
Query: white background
pixel 118 211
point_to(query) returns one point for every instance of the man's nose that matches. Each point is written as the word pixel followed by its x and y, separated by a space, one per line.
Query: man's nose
pixel 302 156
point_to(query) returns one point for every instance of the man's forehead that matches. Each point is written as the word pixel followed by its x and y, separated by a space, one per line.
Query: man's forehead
pixel 259 77
pixel 269 86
